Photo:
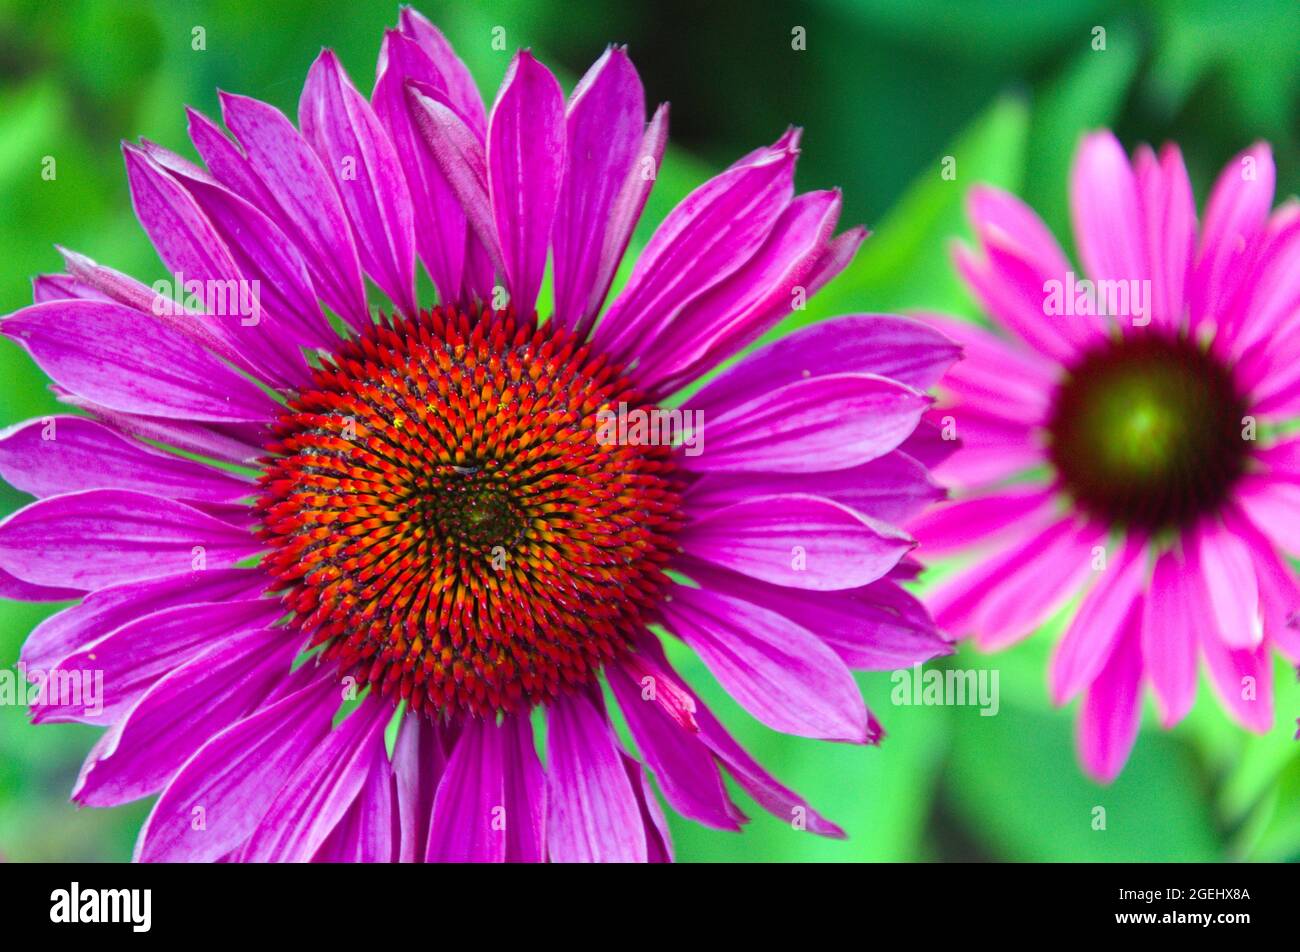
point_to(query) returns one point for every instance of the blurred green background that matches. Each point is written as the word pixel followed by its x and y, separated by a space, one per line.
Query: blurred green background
pixel 884 90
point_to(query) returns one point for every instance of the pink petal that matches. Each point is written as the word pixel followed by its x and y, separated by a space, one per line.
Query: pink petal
pixel 131 362
pixel 823 423
pixel 1169 223
pixel 893 488
pixel 777 671
pixel 741 308
pixel 316 797
pixel 62 454
pixel 797 540
pixel 1091 638
pixel 105 536
pixel 883 344
pixel 1234 219
pixel 418 764
pixel 684 767
pixel 356 152
pixel 110 608
pixel 219 797
pixel 455 75
pixel 174 717
pixel 1169 638
pixel 440 225
pixel 956 525
pixel 307 205
pixel 132 658
pixel 1112 709
pixel 1231 591
pixel 605 127
pixel 461 158
pixel 595 815
pixel 1107 213
pixel 526 163
pixel 708 236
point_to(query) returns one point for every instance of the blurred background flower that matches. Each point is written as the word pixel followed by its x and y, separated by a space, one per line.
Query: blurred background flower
pixel 906 103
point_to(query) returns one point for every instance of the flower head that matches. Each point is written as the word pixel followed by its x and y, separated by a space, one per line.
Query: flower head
pixel 1125 439
pixel 291 518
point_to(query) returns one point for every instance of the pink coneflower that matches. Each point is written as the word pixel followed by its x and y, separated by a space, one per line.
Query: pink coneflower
pixel 1132 453
pixel 417 511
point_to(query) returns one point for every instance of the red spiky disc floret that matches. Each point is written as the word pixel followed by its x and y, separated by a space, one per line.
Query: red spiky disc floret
pixel 442 515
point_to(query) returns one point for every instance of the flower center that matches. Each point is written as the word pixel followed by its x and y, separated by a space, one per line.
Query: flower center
pixel 442 515
pixel 1148 432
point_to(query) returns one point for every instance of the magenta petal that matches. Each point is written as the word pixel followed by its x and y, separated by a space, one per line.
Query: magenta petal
pixel 469 819
pixel 15 588
pixel 595 814
pixel 777 671
pixel 62 287
pixel 1096 628
pixel 714 230
pixel 658 843
pixel 132 658
pixel 455 77
pixel 1169 221
pixel 605 124
pixel 1112 709
pixel 356 152
pixel 1169 638
pixel 1279 589
pixel 462 159
pixel 742 307
pixel 491 800
pixel 684 766
pixel 219 797
pixel 1231 591
pixel 892 488
pixel 1107 212
pixel 983 518
pixel 319 793
pixel 526 163
pixel 63 454
pixel 131 362
pixel 626 212
pixel 307 205
pixel 799 541
pixel 778 800
pixel 418 765
pixel 1242 677
pixel 190 246
pixel 239 443
pixel 366 832
pixel 823 423
pixel 1266 308
pixel 440 225
pixel 110 608
pixel 263 253
pixel 180 711
pixel 525 793
pixel 896 347
pixel 105 536
pixel 998 377
pixel 1030 592
pixel 1235 217
pixel 878 627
